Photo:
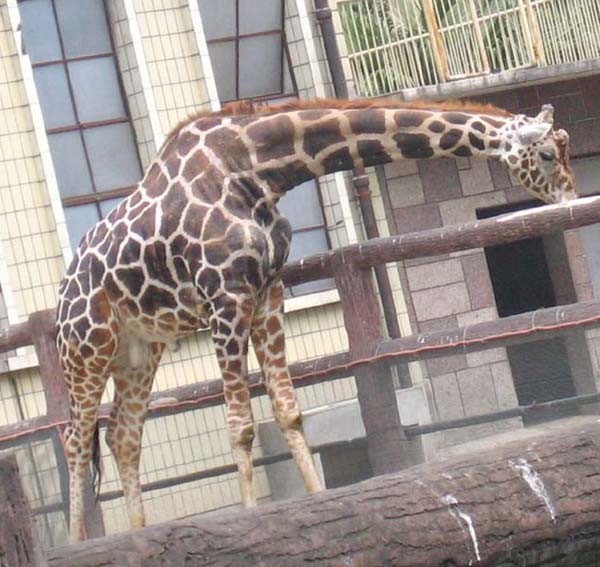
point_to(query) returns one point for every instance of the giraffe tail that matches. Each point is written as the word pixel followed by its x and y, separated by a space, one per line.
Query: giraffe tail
pixel 96 464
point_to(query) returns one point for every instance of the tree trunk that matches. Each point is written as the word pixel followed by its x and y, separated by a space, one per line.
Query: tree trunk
pixel 531 502
pixel 18 546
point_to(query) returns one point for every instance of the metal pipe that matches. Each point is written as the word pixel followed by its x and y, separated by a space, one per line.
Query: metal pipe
pixel 411 431
pixel 363 193
pixel 360 180
pixel 323 15
pixel 519 411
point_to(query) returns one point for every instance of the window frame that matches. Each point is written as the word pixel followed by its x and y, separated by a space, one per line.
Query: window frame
pixel 291 291
pixel 95 196
pixel 285 57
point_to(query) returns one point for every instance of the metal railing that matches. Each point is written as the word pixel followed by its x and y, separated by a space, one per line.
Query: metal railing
pixel 398 44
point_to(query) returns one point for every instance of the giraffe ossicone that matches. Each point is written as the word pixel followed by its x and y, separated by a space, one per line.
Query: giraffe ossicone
pixel 200 244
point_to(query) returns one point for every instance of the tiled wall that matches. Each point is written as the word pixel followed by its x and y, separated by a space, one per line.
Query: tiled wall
pixel 306 50
pixel 132 81
pixel 30 244
pixel 172 55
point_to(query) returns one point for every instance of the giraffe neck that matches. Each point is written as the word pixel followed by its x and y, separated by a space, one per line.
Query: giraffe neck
pixel 289 148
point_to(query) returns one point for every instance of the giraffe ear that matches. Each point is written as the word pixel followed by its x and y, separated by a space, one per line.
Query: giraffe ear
pixel 533 132
pixel 546 114
pixel 539 127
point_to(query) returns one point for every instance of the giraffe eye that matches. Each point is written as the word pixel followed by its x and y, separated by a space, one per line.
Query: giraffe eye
pixel 546 156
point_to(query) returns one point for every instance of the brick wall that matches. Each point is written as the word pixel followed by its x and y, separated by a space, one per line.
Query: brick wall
pixel 454 290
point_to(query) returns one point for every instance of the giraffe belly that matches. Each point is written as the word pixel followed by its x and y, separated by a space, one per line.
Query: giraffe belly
pixel 165 322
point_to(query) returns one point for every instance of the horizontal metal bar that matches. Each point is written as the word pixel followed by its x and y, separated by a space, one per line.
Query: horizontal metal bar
pixel 230 38
pixel 87 125
pixel 226 469
pixel 99 55
pixel 411 431
pixel 520 411
pixel 99 196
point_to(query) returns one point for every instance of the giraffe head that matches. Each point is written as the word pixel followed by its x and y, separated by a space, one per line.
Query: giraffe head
pixel 539 157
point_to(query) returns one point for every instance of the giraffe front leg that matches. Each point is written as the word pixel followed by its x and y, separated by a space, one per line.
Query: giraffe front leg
pixel 231 332
pixel 268 339
pixel 126 423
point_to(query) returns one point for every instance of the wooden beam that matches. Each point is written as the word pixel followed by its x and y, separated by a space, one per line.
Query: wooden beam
pixel 475 234
pixel 15 336
pixel 43 326
pixel 387 446
pixel 520 328
pixel 531 502
pixel 14 433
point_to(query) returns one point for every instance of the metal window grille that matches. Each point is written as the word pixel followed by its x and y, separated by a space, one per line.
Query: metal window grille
pixel 248 49
pixel 397 44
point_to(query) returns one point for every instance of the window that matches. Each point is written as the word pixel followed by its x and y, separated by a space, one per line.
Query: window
pixel 250 59
pixel 247 48
pixel 302 207
pixel 88 126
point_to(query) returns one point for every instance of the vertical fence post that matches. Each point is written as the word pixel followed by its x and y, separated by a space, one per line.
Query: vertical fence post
pixel 479 36
pixel 387 445
pixel 437 43
pixel 18 545
pixel 57 408
pixel 536 34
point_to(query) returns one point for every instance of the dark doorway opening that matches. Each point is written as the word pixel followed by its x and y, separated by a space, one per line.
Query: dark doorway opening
pixel 521 280
pixel 343 466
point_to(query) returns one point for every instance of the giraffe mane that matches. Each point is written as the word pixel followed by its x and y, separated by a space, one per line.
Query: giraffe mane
pixel 249 107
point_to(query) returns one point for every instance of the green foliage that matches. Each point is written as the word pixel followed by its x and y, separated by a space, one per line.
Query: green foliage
pixel 391 49
pixel 377 32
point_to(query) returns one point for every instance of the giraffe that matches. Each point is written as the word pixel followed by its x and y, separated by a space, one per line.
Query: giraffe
pixel 200 244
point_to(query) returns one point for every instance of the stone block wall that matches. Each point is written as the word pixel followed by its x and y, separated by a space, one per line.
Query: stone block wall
pixel 453 290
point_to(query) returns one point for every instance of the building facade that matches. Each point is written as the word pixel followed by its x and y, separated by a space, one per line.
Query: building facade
pixel 88 92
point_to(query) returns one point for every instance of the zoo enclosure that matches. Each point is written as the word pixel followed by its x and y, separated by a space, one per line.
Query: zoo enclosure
pixel 366 358
pixel 397 44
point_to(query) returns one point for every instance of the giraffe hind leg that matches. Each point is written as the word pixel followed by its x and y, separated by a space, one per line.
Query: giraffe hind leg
pixel 133 374
pixel 268 339
pixel 230 326
pixel 86 349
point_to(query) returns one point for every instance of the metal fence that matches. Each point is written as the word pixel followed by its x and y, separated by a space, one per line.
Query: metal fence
pixel 397 44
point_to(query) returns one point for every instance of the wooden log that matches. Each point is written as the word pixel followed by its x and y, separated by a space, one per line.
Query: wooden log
pixel 18 545
pixel 387 445
pixel 475 234
pixel 533 502
pixel 43 325
pixel 15 336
